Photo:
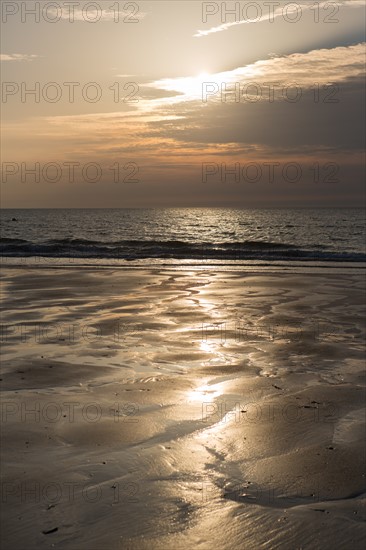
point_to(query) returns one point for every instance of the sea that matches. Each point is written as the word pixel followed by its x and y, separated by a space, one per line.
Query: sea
pixel 228 237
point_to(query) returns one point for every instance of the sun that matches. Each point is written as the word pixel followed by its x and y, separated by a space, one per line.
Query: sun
pixel 190 87
pixel 187 88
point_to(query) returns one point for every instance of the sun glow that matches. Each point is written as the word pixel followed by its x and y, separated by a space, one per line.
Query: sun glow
pixel 191 87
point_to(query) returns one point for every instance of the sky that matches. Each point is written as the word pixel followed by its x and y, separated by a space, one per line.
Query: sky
pixel 182 103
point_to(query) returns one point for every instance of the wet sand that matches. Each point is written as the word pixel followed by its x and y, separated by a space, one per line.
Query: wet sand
pixel 166 409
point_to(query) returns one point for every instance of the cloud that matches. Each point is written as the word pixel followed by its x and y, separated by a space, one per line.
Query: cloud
pixel 269 14
pixel 17 57
pixel 323 66
pixel 182 130
pixel 328 111
pixel 182 115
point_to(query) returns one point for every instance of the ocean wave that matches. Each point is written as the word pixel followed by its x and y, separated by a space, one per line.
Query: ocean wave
pixel 8 240
pixel 172 249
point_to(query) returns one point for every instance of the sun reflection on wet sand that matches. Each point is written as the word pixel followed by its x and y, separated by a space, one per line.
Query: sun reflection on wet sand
pixel 205 393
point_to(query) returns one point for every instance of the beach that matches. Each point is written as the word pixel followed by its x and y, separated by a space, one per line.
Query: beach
pixel 183 292
pixel 182 408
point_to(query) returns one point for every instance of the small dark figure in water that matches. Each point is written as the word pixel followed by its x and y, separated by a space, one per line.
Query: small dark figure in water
pixel 14 220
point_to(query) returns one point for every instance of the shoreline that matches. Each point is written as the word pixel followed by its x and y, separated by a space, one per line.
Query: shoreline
pixel 251 266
